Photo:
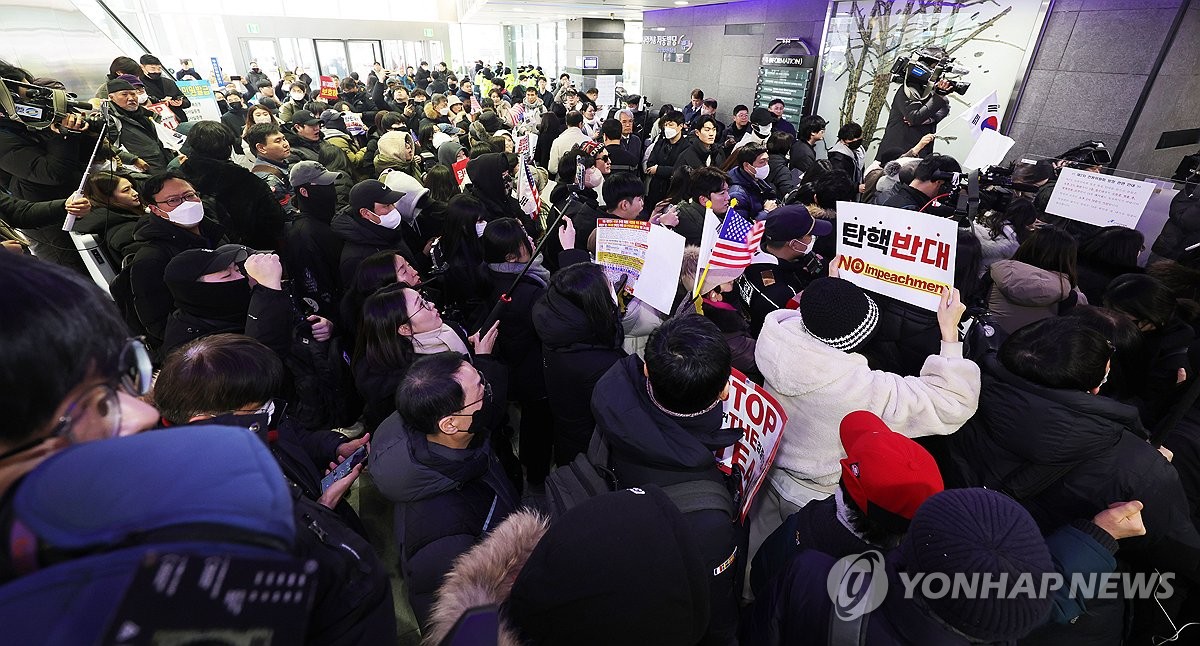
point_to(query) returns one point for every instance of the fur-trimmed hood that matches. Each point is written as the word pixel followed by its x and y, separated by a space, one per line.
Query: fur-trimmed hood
pixel 484 575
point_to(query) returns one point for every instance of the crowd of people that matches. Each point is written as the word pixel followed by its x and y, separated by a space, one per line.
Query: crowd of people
pixel 310 280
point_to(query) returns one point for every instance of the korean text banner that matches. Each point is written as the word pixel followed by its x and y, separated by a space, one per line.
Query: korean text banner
pixel 907 255
pixel 761 418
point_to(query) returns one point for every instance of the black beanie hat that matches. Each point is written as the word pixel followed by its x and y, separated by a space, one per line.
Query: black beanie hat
pixel 838 313
pixel 618 565
pixel 977 532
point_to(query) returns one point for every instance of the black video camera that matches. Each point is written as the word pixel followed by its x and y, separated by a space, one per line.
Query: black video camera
pixel 925 68
pixel 40 107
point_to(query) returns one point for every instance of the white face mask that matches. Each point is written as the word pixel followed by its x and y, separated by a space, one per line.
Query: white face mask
pixel 761 172
pixel 262 118
pixel 670 133
pixel 593 177
pixel 479 227
pixel 297 96
pixel 187 214
pixel 444 111
pixel 143 98
pixel 391 220
pixel 763 131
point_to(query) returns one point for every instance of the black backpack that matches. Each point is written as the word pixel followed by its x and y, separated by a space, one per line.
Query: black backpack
pixel 589 475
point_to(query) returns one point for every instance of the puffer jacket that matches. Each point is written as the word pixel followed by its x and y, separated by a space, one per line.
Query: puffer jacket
pixel 1182 229
pixel 1022 294
pixel 445 502
pixel 575 358
pixel 751 193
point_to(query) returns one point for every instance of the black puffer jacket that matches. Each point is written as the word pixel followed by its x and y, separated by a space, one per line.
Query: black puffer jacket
pixel 161 241
pixel 364 238
pixel 487 186
pixel 1067 455
pixel 1182 228
pixel 905 337
pixel 114 228
pixel 446 500
pixel 254 216
pixel 650 447
pixel 695 154
pixel 575 358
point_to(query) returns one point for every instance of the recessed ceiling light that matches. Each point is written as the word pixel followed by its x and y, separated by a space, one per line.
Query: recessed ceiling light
pixel 680 2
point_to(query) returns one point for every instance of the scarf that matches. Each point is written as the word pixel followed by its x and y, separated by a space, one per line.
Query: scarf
pixel 536 270
pixel 443 339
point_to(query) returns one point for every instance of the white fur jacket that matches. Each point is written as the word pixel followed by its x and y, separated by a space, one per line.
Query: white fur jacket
pixel 818 385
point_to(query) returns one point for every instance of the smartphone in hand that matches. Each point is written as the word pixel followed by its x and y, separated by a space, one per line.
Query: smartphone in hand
pixel 343 469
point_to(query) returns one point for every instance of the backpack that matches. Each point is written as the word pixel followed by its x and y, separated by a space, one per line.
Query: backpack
pixel 590 475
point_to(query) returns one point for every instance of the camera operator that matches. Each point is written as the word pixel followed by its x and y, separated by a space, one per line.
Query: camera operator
pixel 932 180
pixel 919 105
pixel 43 164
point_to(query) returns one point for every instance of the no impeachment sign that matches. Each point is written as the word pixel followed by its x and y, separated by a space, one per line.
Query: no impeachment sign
pixel 907 255
pixel 762 420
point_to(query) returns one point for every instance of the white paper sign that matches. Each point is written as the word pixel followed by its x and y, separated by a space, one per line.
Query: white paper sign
pixel 660 274
pixel 607 85
pixel 1100 200
pixel 907 255
pixel 762 419
pixel 650 255
pixel 989 149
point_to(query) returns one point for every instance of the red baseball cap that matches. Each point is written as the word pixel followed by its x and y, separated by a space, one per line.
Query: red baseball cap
pixel 883 470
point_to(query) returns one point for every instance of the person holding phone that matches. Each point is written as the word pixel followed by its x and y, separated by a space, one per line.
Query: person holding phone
pixel 161 87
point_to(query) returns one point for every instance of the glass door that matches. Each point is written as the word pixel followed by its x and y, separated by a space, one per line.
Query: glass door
pixel 363 54
pixel 332 58
pixel 264 52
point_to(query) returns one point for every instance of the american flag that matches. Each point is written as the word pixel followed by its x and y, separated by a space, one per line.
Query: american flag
pixel 737 241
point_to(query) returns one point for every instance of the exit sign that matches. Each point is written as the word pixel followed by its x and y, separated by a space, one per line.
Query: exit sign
pixel 428 33
pixel 251 28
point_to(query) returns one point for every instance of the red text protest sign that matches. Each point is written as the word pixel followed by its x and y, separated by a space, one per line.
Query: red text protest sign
pixel 762 419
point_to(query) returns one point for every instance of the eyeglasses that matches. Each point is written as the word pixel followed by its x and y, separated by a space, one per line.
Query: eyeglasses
pixel 486 399
pixel 133 374
pixel 602 158
pixel 190 196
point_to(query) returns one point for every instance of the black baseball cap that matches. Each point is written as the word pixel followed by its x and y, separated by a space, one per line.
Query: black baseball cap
pixel 792 222
pixel 303 118
pixel 190 265
pixel 369 192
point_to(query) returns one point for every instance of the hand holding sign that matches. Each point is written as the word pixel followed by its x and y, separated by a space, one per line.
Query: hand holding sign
pixel 949 313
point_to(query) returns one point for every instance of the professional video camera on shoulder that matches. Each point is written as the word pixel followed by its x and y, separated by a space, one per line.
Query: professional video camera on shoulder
pixel 921 71
pixel 40 107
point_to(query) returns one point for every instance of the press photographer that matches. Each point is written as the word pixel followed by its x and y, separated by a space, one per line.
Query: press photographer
pixel 920 103
pixel 45 143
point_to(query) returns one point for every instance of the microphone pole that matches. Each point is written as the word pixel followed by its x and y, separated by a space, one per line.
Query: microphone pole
pixel 505 296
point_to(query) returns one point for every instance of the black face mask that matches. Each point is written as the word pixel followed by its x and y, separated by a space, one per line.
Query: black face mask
pixel 321 201
pixel 854 145
pixel 154 75
pixel 225 301
pixel 237 107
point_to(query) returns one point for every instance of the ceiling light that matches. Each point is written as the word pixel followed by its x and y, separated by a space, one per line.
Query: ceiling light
pixel 680 3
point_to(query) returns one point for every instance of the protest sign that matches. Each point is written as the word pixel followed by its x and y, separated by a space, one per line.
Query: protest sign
pixel 762 419
pixel 907 255
pixel 204 103
pixel 650 255
pixel 1100 200
pixel 460 171
pixel 328 88
pixel 166 117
